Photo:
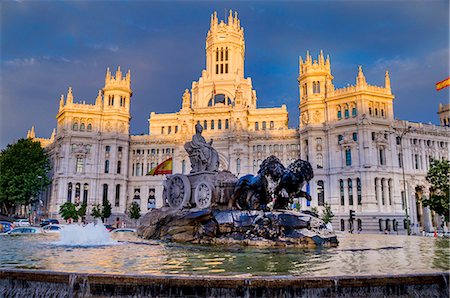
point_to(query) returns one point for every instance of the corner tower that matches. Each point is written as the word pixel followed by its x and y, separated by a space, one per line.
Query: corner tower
pixel 315 82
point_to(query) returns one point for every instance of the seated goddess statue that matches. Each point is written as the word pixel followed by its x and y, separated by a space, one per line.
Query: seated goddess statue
pixel 202 155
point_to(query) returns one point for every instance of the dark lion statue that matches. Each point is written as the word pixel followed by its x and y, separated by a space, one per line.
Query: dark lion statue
pixel 255 192
pixel 294 178
pixel 273 181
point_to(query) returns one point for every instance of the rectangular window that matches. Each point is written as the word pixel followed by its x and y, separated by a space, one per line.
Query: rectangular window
pixel 106 166
pixel 256 126
pixel 341 191
pixel 117 198
pixel 105 193
pixel 226 67
pixel 151 202
pixel 80 165
pixel 382 157
pixel 119 165
pixel 221 68
pixel 348 157
pixel 264 125
pixel 108 148
pixel 217 68
pixel 355 137
pixel 400 160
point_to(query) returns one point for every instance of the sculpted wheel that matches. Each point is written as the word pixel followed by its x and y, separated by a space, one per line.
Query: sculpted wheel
pixel 203 195
pixel 178 191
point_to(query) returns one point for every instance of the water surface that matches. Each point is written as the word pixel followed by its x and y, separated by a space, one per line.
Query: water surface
pixel 355 255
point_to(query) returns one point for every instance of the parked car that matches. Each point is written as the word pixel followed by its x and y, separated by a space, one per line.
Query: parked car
pixel 22 222
pixel 52 228
pixel 25 230
pixel 49 221
pixel 124 230
pixel 5 227
pixel 109 228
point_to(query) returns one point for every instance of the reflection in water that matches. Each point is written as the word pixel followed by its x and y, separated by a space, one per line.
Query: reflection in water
pixel 355 255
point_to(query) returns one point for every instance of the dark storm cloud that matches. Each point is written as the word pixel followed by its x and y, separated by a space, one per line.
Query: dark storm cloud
pixel 49 46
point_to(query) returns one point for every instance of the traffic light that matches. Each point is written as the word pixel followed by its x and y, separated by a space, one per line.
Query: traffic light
pixel 352 215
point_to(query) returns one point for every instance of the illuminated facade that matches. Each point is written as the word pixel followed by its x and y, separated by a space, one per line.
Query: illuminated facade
pixel 348 135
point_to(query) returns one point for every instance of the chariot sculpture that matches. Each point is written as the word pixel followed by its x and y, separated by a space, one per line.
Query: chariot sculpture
pixel 205 186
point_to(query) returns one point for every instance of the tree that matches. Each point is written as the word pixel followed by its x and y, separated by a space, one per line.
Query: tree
pixel 96 211
pixel 134 211
pixel 106 210
pixel 438 176
pixel 327 214
pixel 68 211
pixel 23 173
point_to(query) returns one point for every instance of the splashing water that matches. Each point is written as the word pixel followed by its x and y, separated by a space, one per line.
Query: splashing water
pixel 92 234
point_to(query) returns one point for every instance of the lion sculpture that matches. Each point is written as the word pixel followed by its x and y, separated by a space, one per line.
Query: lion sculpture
pixel 272 182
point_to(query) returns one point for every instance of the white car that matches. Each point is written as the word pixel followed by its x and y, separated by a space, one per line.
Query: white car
pixel 22 222
pixel 52 229
pixel 25 230
pixel 124 230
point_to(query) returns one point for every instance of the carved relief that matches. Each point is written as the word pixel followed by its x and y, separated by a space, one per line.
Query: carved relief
pixel 305 118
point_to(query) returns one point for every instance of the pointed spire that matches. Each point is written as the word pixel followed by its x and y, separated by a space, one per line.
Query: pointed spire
pixel 98 100
pixel 31 134
pixel 108 75
pixel 118 74
pixel 61 102
pixel 52 137
pixel 321 59
pixel 128 76
pixel 69 96
pixel 360 79
pixel 230 18
pixel 387 81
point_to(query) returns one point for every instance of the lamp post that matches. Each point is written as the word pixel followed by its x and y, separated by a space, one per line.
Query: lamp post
pixel 400 133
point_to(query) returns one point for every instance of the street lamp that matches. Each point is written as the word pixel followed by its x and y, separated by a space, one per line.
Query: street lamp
pixel 400 133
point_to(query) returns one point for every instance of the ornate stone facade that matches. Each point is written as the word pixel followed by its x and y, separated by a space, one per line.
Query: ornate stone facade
pixel 349 135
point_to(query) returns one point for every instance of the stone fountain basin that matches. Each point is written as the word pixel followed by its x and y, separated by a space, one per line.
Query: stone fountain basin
pixel 36 283
pixel 279 228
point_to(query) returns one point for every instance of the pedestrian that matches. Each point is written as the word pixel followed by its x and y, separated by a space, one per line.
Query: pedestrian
pixel 117 222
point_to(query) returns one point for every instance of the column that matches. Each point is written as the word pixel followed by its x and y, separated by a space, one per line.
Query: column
pixel 385 194
pixel 378 192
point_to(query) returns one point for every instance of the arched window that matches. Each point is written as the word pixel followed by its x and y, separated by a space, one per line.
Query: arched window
pixel 69 192
pixel 212 124
pixel 117 198
pixel 89 127
pixel 390 191
pixel 339 114
pixel 358 190
pixel 264 125
pixel 205 124
pixel 382 113
pixel 354 112
pixel 226 124
pixel 376 111
pixel 85 193
pixel 350 191
pixel 77 193
pixel 219 124
pixel 380 224
pixel 162 130
pixel 272 125
pixel 82 127
pixel 382 191
pixel 256 126
pixel 320 193
pixel 388 225
pixel 106 166
pixel 346 113
pixel 370 111
pixel 105 193
pixel 355 136
pixel 340 138
pixel 75 126
pixel 341 191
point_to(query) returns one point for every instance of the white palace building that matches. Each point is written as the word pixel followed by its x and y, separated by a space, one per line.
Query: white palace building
pixel 349 135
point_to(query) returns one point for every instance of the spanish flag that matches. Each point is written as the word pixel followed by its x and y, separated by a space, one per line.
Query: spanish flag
pixel 442 84
pixel 164 168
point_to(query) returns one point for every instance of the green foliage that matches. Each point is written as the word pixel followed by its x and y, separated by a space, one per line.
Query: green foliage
pixel 106 210
pixel 327 213
pixel 315 210
pixel 82 210
pixel 68 210
pixel 438 176
pixel 23 172
pixel 134 211
pixel 96 211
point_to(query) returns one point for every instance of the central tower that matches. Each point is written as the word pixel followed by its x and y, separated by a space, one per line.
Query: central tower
pixel 225 48
pixel 222 82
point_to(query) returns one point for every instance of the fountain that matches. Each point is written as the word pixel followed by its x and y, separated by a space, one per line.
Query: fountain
pixel 209 206
pixel 92 234
pixel 251 246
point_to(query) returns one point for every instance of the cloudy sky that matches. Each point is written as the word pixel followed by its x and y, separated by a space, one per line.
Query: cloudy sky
pixel 47 47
